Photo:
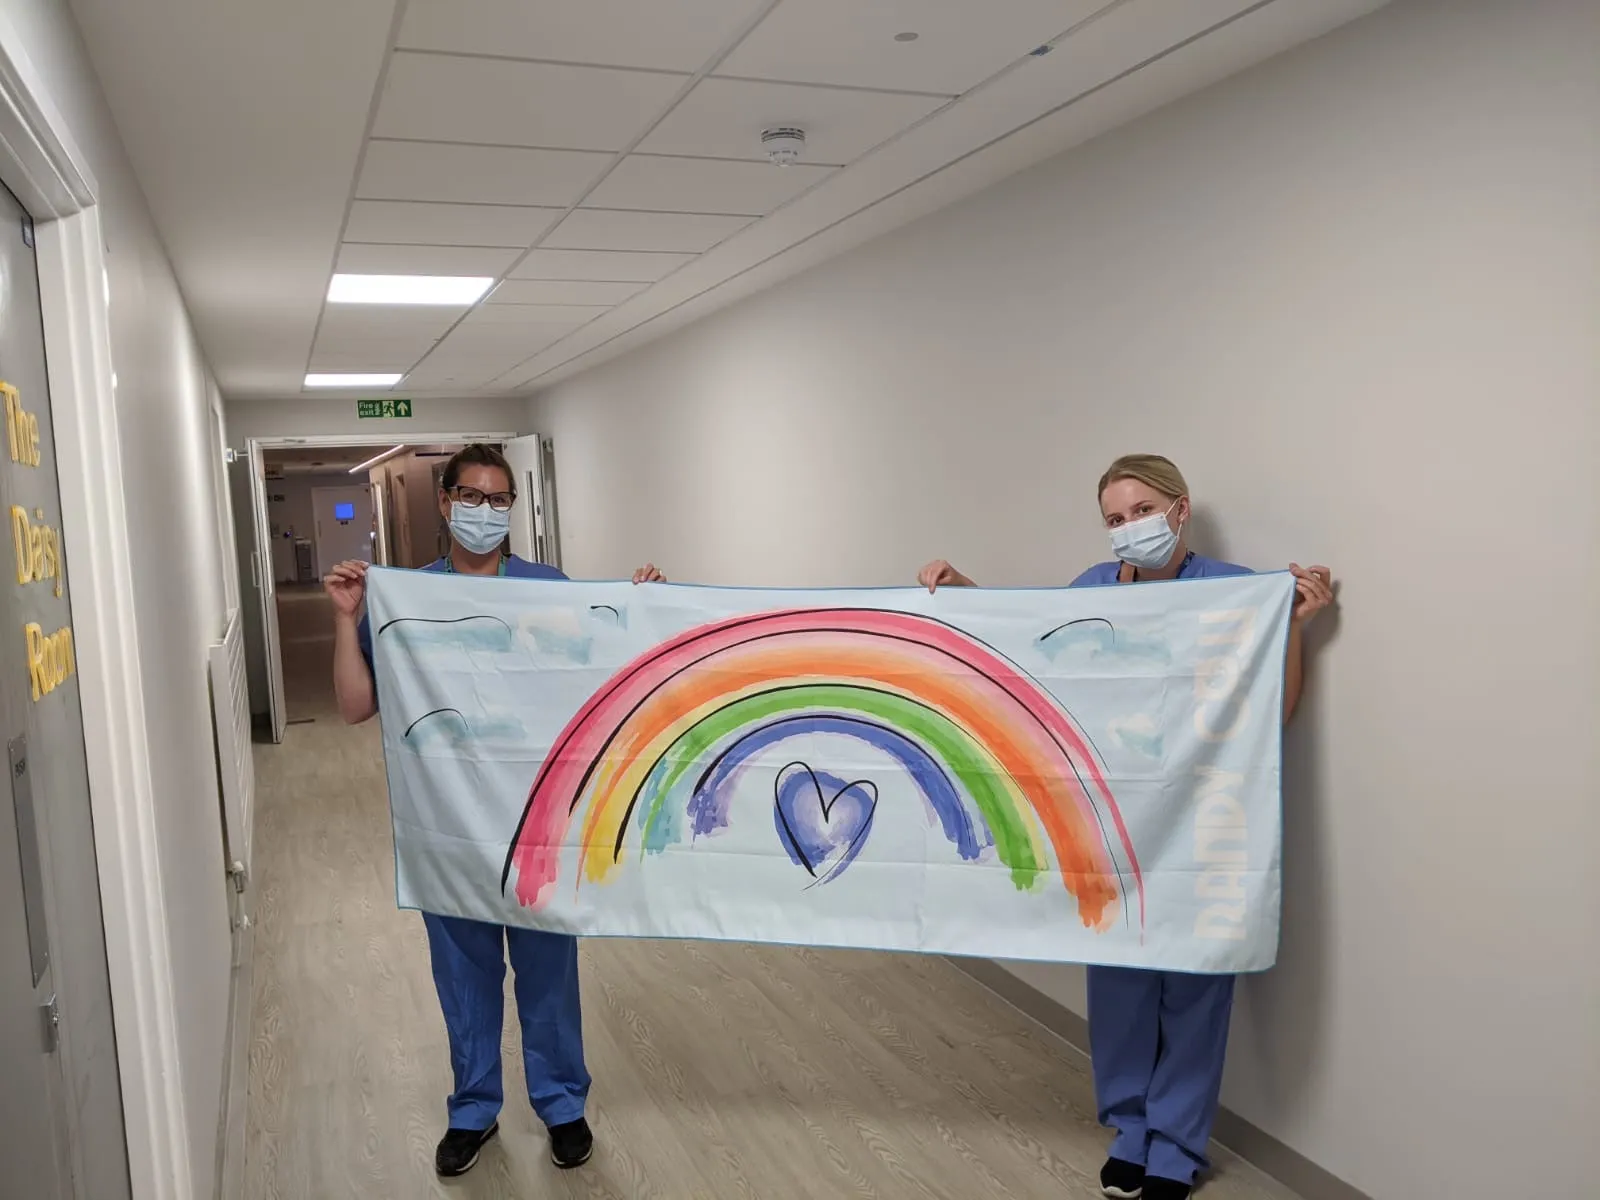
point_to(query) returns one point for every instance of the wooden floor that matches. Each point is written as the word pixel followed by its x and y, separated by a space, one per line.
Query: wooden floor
pixel 720 1070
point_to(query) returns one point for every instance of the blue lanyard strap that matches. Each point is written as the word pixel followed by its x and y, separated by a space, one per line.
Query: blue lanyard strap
pixel 450 567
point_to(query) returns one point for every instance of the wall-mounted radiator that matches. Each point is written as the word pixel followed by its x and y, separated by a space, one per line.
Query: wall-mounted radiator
pixel 230 708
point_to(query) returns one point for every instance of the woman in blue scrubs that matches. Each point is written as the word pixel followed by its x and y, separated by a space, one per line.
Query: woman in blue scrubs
pixel 1158 1039
pixel 469 957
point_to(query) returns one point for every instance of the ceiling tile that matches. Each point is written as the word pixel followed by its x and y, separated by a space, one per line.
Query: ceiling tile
pixel 368 259
pixel 601 266
pixel 555 291
pixel 522 315
pixel 679 36
pixel 450 99
pixel 350 321
pixel 499 344
pixel 850 43
pixel 366 359
pixel 476 174
pixel 462 376
pixel 701 185
pixel 537 314
pixel 493 339
pixel 723 118
pixel 367 338
pixel 401 221
pixel 595 229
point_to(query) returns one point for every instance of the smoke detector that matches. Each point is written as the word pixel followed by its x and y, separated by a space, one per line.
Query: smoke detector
pixel 783 145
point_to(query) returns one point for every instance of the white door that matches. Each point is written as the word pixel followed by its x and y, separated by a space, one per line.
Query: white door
pixel 344 527
pixel 60 1101
pixel 533 527
pixel 266 592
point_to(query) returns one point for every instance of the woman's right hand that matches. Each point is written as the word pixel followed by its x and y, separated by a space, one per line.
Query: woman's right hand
pixel 939 573
pixel 346 586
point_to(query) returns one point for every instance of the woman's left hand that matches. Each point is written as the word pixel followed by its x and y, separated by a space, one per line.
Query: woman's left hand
pixel 1313 591
pixel 649 573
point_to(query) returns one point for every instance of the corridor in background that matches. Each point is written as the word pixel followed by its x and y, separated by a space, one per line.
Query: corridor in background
pixel 325 504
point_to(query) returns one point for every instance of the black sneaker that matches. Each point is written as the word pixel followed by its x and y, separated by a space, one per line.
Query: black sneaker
pixel 1157 1188
pixel 1122 1180
pixel 458 1149
pixel 571 1144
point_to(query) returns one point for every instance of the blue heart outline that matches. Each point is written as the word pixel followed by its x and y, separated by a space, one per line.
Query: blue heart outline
pixel 869 789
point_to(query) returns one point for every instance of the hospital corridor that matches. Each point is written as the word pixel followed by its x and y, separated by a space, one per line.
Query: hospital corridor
pixel 799 599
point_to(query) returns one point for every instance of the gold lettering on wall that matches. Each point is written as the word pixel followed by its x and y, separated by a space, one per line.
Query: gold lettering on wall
pixel 22 428
pixel 50 658
pixel 38 548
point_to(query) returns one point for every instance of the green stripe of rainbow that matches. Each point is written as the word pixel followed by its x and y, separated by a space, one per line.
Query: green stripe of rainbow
pixel 1018 838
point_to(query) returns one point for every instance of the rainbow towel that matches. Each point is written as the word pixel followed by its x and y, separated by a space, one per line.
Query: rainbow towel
pixel 1087 775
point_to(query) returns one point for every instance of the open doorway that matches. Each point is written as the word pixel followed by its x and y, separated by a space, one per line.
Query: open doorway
pixel 317 504
pixel 325 505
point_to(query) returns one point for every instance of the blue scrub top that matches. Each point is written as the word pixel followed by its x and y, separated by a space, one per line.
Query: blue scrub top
pixel 1195 566
pixel 512 567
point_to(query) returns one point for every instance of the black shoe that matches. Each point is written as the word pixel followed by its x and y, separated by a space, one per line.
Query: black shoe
pixel 1156 1188
pixel 571 1144
pixel 1122 1180
pixel 458 1149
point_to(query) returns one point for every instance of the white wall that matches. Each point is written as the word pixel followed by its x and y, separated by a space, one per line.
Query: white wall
pixel 1355 292
pixel 164 396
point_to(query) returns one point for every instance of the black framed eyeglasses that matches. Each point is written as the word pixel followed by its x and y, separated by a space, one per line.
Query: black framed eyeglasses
pixel 471 497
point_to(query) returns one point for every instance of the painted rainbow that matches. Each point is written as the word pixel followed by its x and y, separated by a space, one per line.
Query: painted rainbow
pixel 1000 764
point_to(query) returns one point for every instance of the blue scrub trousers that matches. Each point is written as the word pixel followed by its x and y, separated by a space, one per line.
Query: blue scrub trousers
pixel 469 970
pixel 1158 1040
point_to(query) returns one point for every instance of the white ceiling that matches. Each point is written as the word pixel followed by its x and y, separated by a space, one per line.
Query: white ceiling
pixel 599 158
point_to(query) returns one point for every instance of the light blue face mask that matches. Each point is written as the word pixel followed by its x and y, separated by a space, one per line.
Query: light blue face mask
pixel 480 529
pixel 1148 542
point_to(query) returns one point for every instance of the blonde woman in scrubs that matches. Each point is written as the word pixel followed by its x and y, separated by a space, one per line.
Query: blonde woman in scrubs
pixel 1159 1038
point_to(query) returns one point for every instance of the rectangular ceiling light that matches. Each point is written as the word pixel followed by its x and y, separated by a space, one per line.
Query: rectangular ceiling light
pixel 445 290
pixel 353 381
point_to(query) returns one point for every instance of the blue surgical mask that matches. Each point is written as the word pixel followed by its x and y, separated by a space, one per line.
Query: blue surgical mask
pixel 480 529
pixel 1148 542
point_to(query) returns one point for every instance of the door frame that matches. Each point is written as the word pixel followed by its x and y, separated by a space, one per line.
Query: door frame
pixel 41 163
pixel 382 544
pixel 255 454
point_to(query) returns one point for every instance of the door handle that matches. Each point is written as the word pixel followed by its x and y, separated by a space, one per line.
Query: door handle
pixel 50 1022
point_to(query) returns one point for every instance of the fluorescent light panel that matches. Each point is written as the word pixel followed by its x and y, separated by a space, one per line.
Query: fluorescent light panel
pixel 353 380
pixel 375 460
pixel 443 290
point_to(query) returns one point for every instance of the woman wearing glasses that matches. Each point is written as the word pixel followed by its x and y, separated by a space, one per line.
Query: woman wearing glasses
pixel 469 957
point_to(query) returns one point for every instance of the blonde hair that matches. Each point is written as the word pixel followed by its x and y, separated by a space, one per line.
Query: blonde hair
pixel 1152 470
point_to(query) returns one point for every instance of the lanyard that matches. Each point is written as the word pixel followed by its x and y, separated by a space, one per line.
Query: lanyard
pixel 1133 571
pixel 450 567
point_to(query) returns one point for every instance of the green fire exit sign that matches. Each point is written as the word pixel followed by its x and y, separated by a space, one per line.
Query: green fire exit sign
pixel 383 408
